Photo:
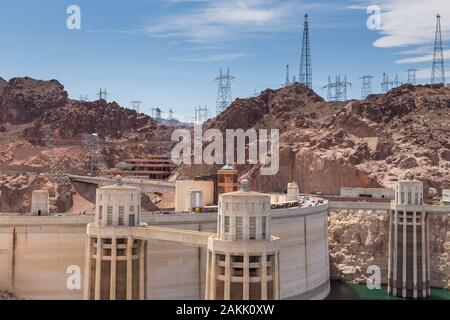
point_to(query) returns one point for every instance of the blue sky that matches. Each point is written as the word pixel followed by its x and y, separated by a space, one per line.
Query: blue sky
pixel 167 53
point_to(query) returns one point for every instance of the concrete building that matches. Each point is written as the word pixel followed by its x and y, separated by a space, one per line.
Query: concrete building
pixel 115 266
pixel 191 194
pixel 243 258
pixel 292 192
pixel 227 180
pixel 446 195
pixel 40 203
pixel 159 167
pixel 409 257
pixel 371 193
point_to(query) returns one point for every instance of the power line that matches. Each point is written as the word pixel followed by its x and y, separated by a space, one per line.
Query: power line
pixel 287 82
pixel 412 75
pixel 224 97
pixel 201 114
pixel 57 169
pixel 102 94
pixel 135 105
pixel 366 88
pixel 438 70
pixel 305 74
pixel 337 90
pixel 387 84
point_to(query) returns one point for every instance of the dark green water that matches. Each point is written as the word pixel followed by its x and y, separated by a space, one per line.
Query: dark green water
pixel 346 291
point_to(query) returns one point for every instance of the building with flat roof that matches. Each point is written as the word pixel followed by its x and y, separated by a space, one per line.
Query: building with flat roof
pixel 158 167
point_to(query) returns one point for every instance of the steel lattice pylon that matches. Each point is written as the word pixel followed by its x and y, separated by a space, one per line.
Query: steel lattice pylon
pixel 305 75
pixel 438 71
pixel 366 89
pixel 224 97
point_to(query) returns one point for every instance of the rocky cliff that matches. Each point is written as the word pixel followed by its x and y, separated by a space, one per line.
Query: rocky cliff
pixel 359 239
pixel 368 143
pixel 28 105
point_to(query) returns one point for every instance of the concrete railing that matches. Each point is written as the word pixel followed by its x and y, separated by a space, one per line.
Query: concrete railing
pixel 145 186
pixel 185 237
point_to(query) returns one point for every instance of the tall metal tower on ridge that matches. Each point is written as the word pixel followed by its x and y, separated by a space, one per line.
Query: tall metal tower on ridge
pixel 366 89
pixel 288 80
pixel 305 75
pixel 412 76
pixel 438 71
pixel 337 91
pixel 224 97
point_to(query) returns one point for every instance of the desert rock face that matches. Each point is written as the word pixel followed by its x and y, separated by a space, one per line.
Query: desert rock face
pixel 24 99
pixel 359 239
pixel 368 143
pixel 28 105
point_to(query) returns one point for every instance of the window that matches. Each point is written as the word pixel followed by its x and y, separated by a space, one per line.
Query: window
pixel 132 197
pixel 417 198
pixel 409 198
pixel 252 228
pixel 131 208
pixel 227 224
pixel 131 220
pixel 121 216
pixel 100 212
pixel 403 197
pixel 109 218
pixel 263 228
pixel 238 228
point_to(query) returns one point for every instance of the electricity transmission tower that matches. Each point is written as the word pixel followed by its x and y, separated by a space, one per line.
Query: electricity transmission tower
pixel 366 89
pixel 57 171
pixel 156 114
pixel 305 75
pixel 91 143
pixel 171 118
pixel 201 114
pixel 412 75
pixel 387 84
pixel 102 94
pixel 438 71
pixel 287 81
pixel 135 105
pixel 224 97
pixel 337 91
pixel 84 98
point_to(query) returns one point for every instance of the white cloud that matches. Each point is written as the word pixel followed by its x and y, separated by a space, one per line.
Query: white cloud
pixel 216 21
pixel 411 22
pixel 214 57
pixel 411 25
pixel 424 58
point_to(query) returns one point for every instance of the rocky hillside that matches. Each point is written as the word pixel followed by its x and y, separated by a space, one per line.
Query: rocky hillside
pixel 28 105
pixel 359 240
pixel 366 143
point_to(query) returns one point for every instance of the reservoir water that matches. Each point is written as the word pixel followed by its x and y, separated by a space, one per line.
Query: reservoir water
pixel 347 291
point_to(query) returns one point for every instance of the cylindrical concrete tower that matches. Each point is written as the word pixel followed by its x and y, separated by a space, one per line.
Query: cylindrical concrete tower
pixel 409 256
pixel 243 259
pixel 292 192
pixel 115 267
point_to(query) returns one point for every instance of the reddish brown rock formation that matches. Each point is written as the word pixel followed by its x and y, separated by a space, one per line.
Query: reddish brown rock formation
pixel 24 99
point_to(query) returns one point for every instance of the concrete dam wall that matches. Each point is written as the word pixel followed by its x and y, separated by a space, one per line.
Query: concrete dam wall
pixel 36 254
